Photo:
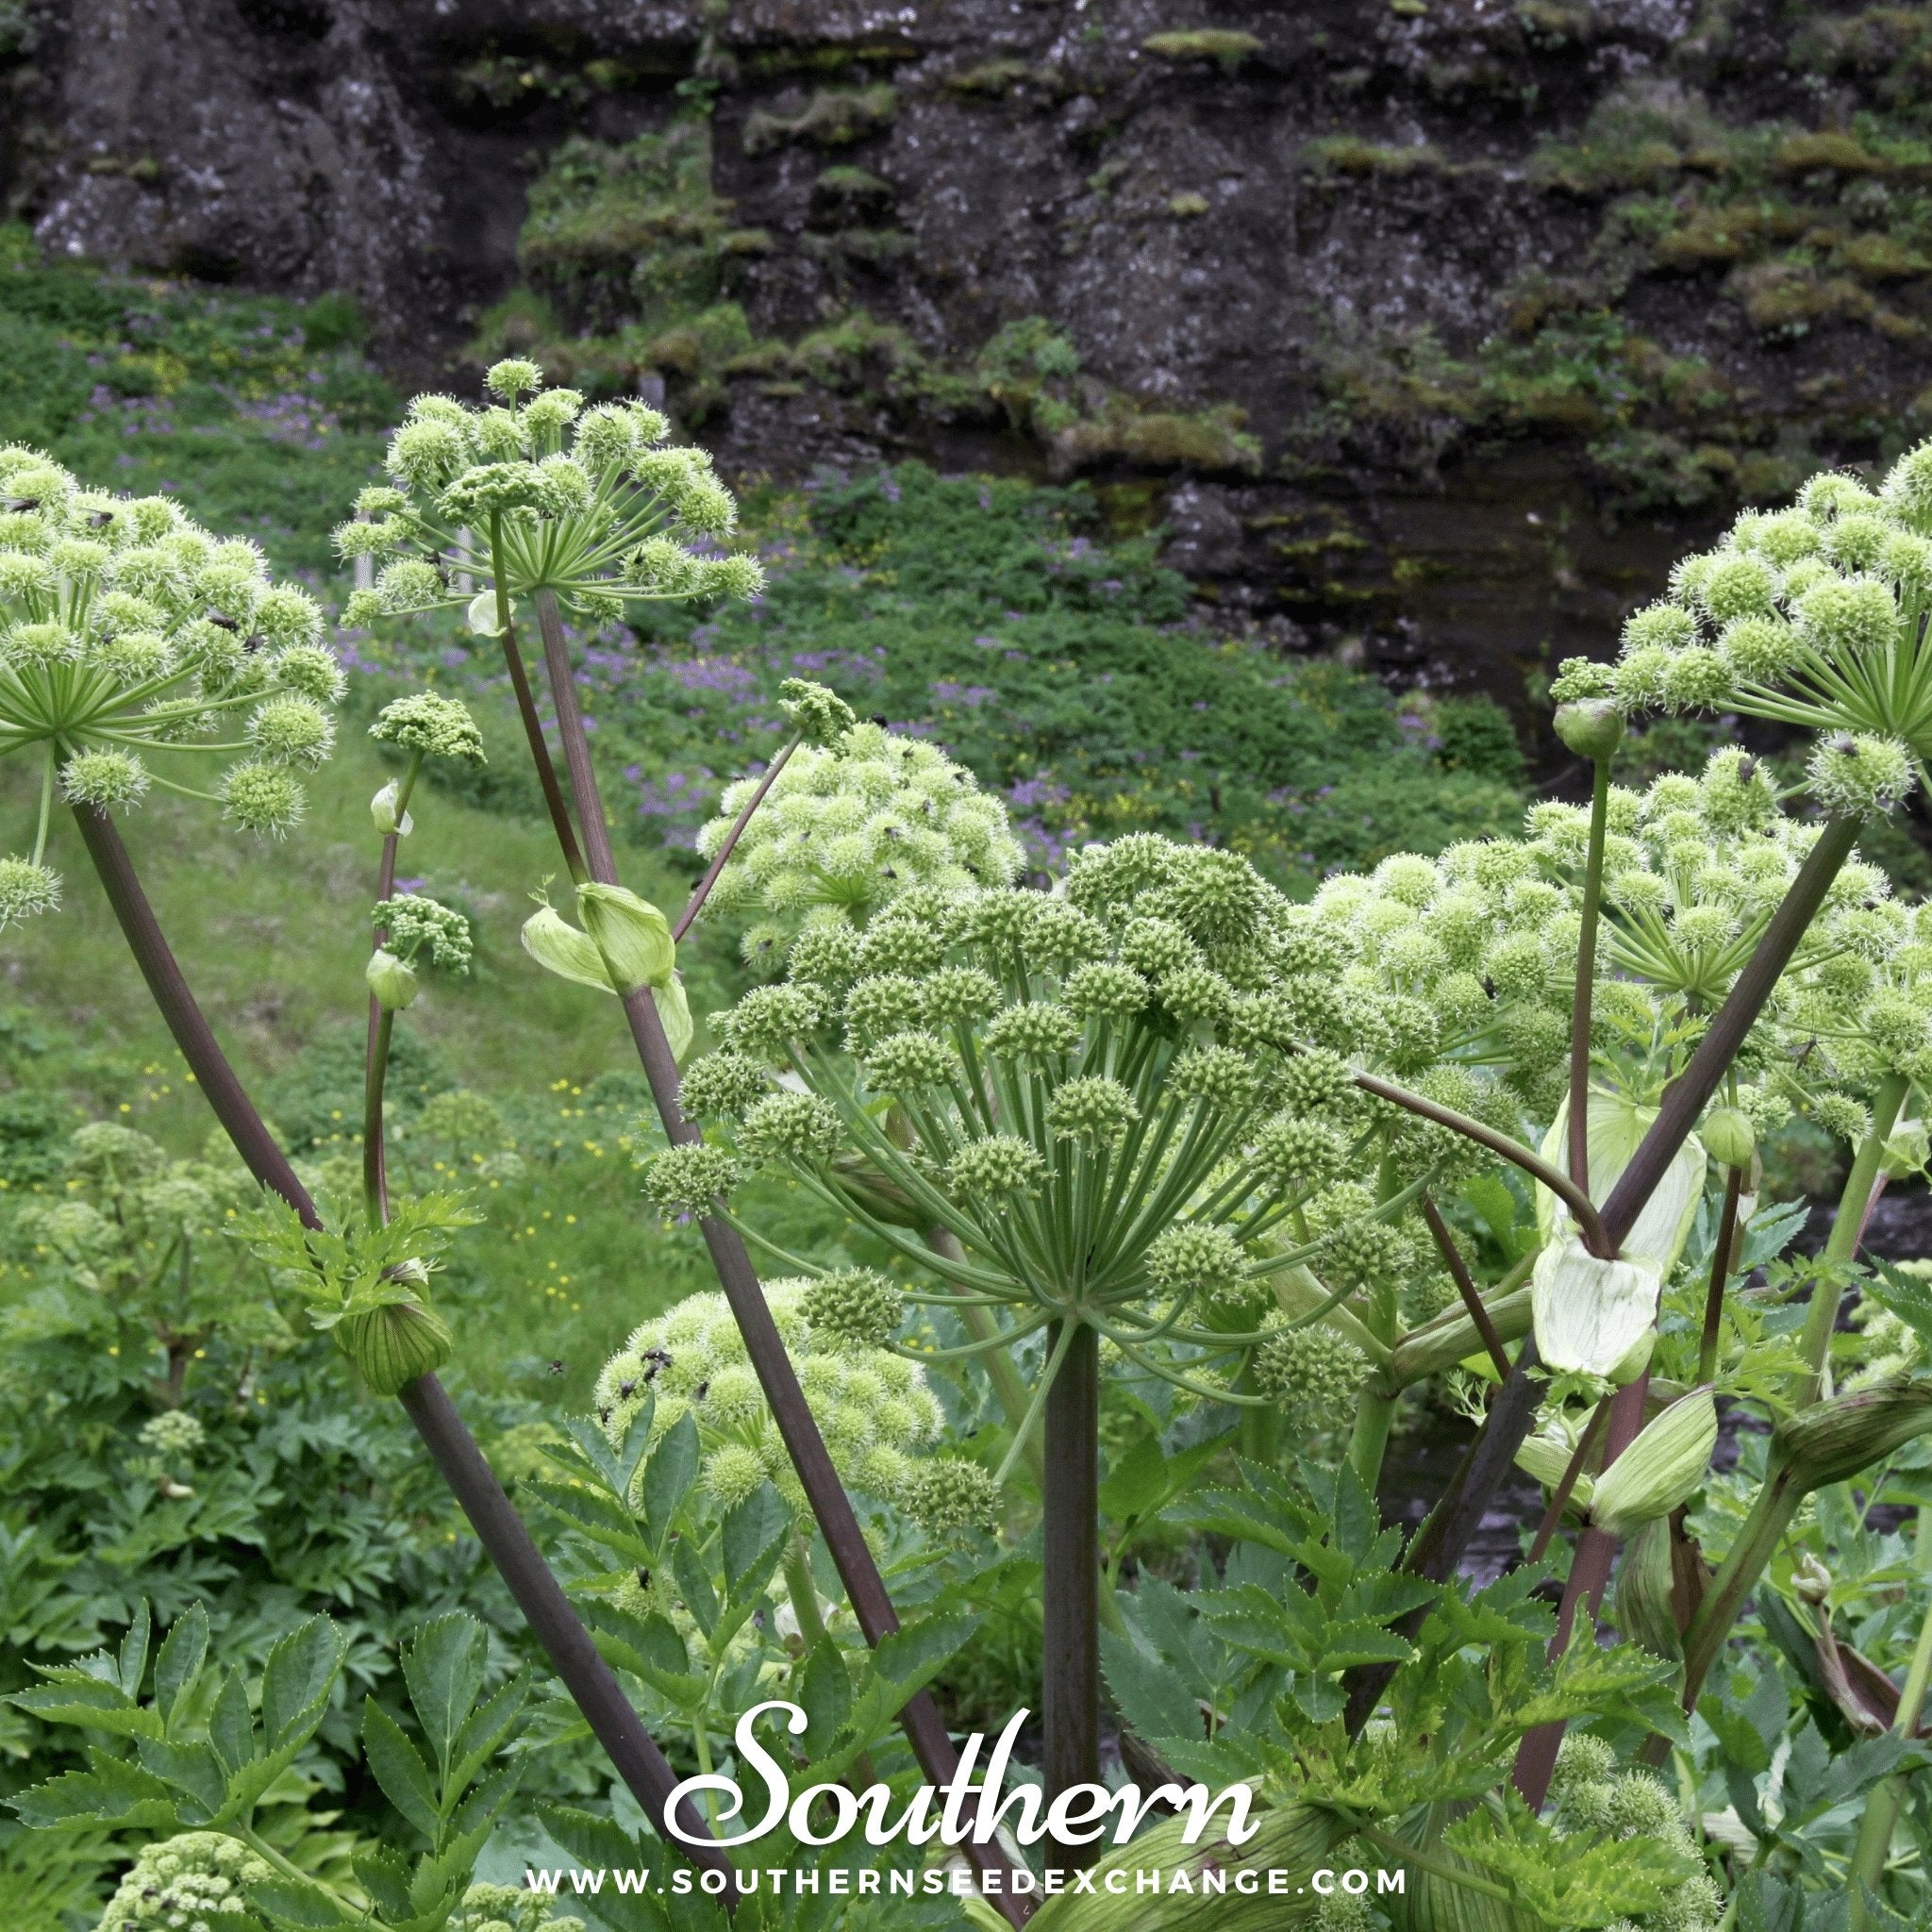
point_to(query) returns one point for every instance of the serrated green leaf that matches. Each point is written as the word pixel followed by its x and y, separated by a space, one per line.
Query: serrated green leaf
pixel 111 1791
pixel 295 1686
pixel 695 1584
pixel 486 1729
pixel 1151 1698
pixel 825 1693
pixel 178 1664
pixel 195 1771
pixel 231 1728
pixel 668 1477
pixel 398 1768
pixel 598 1844
pixel 92 1706
pixel 596 1515
pixel 294 1903
pixel 752 1540
pixel 443 1669
pixel 133 1657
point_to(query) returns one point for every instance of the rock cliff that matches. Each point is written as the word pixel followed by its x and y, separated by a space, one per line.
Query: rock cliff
pixel 1434 328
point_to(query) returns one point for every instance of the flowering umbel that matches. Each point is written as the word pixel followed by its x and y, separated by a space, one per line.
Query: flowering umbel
pixel 133 641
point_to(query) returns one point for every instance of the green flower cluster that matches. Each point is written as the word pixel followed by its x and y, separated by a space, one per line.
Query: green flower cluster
pixel 850 825
pixel 535 492
pixel 180 1882
pixel 129 636
pixel 507 1908
pixel 1592 1797
pixel 1130 1101
pixel 1810 616
pixel 880 1419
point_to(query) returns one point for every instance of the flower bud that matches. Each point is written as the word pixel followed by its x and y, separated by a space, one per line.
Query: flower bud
pixel 1592 727
pixel 1833 1440
pixel 673 1013
pixel 1589 1313
pixel 392 980
pixel 1545 1459
pixel 1729 1136
pixel 382 813
pixel 1907 1151
pixel 482 616
pixel 559 947
pixel 631 934
pixel 1644 1613
pixel 1633 1362
pixel 1660 1469
pixel 395 1344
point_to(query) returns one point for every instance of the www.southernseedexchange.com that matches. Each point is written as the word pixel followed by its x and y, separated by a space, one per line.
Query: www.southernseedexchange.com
pixel 681 1882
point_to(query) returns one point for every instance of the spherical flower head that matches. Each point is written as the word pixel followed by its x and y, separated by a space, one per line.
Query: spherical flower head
pixel 1696 679
pixel 261 798
pixel 1093 1110
pixel 883 1004
pixel 428 722
pixel 1195 993
pixel 994 1166
pixel 1311 1371
pixel 767 1020
pixel 1640 678
pixel 291 730
pixel 947 1496
pixel 1518 966
pixel 898 944
pixel 1157 947
pixel 108 780
pixel 908 1062
pixel 1298 1155
pixel 1852 777
pixel 35 646
pixel 1217 895
pixel 1663 627
pixel 732 1474
pixel 1759 650
pixel 688 1178
pixel 1105 989
pixel 1841 617
pixel 548 416
pixel 958 997
pixel 1737 586
pixel 721 1086
pixel 513 377
pixel 1194 1258
pixel 1535 1038
pixel 853 1305
pixel 1841 1116
pixel 1035 1029
pixel 1216 1075
pixel 794 1127
pixel 188 1879
pixel 1317 1082
pixel 826 954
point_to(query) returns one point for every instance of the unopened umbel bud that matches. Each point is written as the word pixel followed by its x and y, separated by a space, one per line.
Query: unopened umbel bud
pixel 1727 1134
pixel 392 980
pixel 1592 727
pixel 1660 1469
pixel 631 934
pixel 382 813
pixel 1644 1613
pixel 1907 1150
pixel 559 947
pixel 1833 1440
pixel 395 1344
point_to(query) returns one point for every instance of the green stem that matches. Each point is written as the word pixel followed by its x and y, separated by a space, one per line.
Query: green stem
pixel 804 1594
pixel 47 806
pixel 1883 1804
pixel 1427 1861
pixel 1843 1247
pixel 263 1850
pixel 1756 1544
pixel 375 1070
pixel 1000 1372
pixel 1585 979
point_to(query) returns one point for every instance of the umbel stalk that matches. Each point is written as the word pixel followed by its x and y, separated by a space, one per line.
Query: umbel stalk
pixel 633 1752
pixel 865 1589
pixel 1070 1588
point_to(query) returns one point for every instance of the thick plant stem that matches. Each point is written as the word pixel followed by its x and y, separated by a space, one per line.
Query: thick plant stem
pixel 1368 1442
pixel 375 1074
pixel 865 1589
pixel 998 1364
pixel 1589 1576
pixel 1070 1589
pixel 533 726
pixel 633 1752
pixel 1883 1804
pixel 1842 1246
pixel 1690 1094
pixel 1720 1273
pixel 376 1054
pixel 1586 977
